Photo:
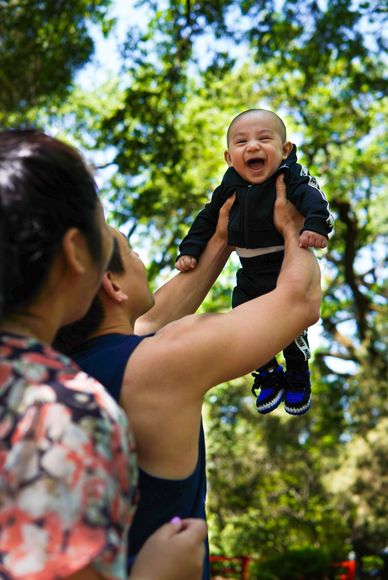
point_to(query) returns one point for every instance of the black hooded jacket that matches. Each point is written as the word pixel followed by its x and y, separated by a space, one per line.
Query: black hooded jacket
pixel 251 216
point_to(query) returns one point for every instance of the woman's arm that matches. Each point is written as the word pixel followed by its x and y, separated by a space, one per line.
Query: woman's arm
pixel 168 374
pixel 221 347
pixel 184 293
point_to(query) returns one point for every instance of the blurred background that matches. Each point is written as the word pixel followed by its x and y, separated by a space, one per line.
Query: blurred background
pixel 147 90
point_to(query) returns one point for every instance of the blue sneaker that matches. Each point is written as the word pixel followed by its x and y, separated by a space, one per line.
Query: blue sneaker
pixel 272 386
pixel 297 398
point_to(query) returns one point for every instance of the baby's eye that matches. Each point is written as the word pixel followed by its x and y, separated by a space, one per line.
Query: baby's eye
pixel 241 141
pixel 265 138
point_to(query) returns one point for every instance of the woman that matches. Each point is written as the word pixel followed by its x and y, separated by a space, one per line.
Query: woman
pixel 68 474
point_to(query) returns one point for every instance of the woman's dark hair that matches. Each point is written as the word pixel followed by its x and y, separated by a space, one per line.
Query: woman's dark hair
pixel 45 189
pixel 72 337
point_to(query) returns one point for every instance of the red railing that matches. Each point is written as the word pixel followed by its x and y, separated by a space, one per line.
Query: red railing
pixel 348 569
pixel 240 565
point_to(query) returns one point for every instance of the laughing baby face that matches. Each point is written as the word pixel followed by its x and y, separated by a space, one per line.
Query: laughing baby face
pixel 256 145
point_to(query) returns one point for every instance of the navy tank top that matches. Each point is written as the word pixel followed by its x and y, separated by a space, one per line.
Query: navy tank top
pixel 105 358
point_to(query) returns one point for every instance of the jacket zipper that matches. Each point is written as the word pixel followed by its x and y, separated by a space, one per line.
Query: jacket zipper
pixel 246 216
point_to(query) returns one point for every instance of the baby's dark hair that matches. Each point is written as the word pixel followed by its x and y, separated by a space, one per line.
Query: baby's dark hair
pixel 282 127
pixel 45 189
pixel 70 338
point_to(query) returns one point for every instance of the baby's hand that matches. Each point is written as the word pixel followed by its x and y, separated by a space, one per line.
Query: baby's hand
pixel 185 263
pixel 309 239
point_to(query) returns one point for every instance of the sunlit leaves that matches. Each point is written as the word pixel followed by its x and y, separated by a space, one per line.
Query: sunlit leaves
pixel 42 45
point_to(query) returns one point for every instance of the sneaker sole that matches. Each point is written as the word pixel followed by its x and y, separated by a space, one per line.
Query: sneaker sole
pixel 265 408
pixel 298 410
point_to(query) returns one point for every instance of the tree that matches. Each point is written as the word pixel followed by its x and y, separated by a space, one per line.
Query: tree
pixel 160 128
pixel 362 476
pixel 42 45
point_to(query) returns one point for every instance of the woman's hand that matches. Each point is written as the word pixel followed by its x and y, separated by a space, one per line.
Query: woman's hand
pixel 174 552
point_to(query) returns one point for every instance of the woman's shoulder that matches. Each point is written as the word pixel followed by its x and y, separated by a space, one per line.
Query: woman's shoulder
pixel 42 375
pixel 47 398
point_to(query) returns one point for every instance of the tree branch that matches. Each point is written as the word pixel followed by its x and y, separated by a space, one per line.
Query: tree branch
pixel 361 302
pixel 343 340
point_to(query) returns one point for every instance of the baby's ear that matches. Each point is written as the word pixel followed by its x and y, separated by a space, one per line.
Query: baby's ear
pixel 228 158
pixel 287 148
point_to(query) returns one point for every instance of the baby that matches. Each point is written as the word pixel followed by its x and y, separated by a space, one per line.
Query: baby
pixel 257 152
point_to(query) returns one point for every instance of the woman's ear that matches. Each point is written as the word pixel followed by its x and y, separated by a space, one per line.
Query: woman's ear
pixel 112 289
pixel 75 251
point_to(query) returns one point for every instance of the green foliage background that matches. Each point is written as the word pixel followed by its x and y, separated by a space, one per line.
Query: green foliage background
pixel 275 482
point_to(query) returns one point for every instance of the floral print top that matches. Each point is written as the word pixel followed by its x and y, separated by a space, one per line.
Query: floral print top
pixel 67 468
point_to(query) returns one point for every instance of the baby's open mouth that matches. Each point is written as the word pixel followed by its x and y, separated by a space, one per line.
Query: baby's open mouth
pixel 255 163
